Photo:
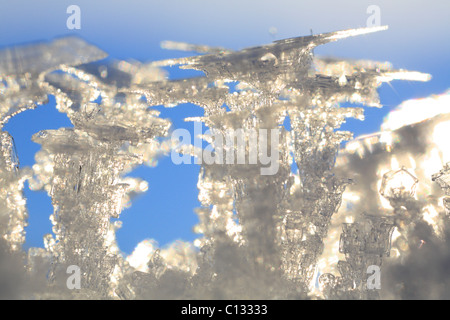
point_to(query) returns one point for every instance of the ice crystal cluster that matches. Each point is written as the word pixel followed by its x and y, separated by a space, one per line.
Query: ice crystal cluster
pixel 294 234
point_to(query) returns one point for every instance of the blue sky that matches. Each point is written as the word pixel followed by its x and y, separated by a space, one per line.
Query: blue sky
pixel 417 39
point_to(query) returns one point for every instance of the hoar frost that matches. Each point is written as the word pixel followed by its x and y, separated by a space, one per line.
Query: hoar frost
pixel 261 236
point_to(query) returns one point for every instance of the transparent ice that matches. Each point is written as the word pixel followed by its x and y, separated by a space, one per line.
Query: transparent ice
pixel 281 236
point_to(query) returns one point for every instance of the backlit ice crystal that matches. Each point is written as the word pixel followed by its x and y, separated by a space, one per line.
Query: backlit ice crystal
pixel 260 235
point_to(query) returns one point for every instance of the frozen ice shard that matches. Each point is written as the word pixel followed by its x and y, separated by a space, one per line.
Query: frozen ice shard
pixel 22 69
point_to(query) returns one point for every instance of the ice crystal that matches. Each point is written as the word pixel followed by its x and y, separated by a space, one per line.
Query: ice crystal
pixel 364 245
pixel 443 179
pixel 261 233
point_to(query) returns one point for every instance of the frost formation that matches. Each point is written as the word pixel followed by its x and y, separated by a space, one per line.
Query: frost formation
pixel 260 236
